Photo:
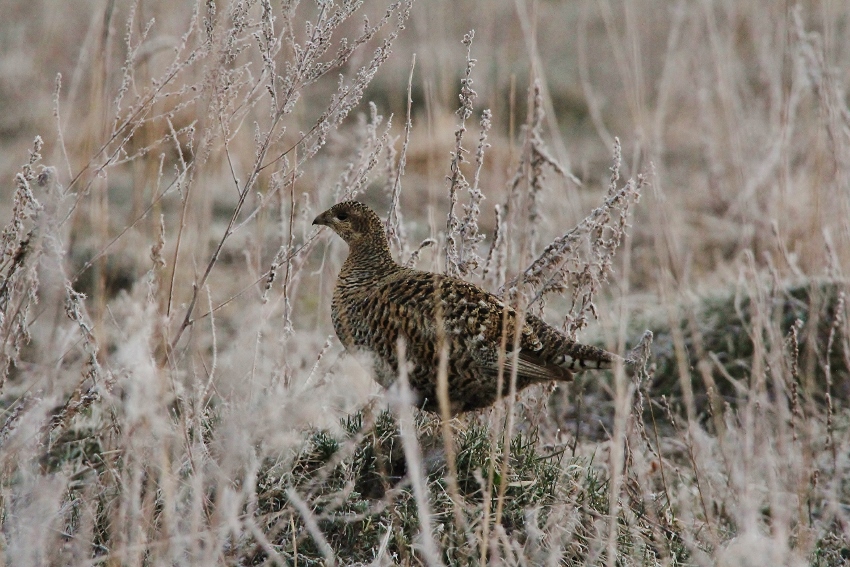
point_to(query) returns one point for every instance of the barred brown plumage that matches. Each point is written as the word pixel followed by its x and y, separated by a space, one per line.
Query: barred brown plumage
pixel 376 301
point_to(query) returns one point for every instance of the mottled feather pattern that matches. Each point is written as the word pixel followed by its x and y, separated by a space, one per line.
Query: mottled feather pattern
pixel 376 301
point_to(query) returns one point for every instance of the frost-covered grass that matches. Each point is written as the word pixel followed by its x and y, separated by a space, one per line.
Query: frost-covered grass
pixel 171 390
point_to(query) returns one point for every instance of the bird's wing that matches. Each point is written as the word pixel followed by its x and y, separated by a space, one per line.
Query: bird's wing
pixel 490 322
pixel 474 320
pixel 530 367
pixel 533 368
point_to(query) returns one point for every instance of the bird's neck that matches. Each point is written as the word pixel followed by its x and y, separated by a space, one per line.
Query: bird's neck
pixel 368 260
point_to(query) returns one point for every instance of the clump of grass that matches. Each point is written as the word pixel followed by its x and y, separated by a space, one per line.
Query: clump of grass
pixel 364 522
pixel 719 335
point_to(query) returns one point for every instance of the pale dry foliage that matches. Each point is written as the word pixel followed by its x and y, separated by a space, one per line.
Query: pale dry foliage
pixel 171 390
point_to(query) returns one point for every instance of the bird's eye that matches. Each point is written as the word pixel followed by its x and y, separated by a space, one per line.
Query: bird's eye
pixel 342 216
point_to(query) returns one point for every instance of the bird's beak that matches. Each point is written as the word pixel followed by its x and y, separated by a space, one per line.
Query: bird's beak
pixel 321 219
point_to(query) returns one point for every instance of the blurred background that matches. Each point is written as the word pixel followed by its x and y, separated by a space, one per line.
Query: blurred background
pixel 737 110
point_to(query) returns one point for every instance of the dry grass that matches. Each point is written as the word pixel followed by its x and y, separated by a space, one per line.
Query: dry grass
pixel 170 388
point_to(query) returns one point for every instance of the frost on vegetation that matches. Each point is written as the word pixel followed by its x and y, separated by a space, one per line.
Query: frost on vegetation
pixel 238 72
pixel 577 262
pixel 580 260
pixel 370 144
pixel 22 246
pixel 462 236
pixel 189 421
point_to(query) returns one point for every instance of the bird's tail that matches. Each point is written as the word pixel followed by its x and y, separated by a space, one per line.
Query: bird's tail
pixel 577 357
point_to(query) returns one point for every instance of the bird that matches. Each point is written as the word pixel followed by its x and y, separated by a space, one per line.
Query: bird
pixel 377 301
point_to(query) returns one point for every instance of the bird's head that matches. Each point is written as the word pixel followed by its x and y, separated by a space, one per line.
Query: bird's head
pixel 354 222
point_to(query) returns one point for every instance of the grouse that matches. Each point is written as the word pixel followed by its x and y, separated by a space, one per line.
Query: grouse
pixel 376 301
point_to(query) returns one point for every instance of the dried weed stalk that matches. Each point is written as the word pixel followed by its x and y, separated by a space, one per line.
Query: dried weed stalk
pixel 18 274
pixel 462 236
pixel 304 69
pixel 97 380
pixel 580 260
pixel 394 226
